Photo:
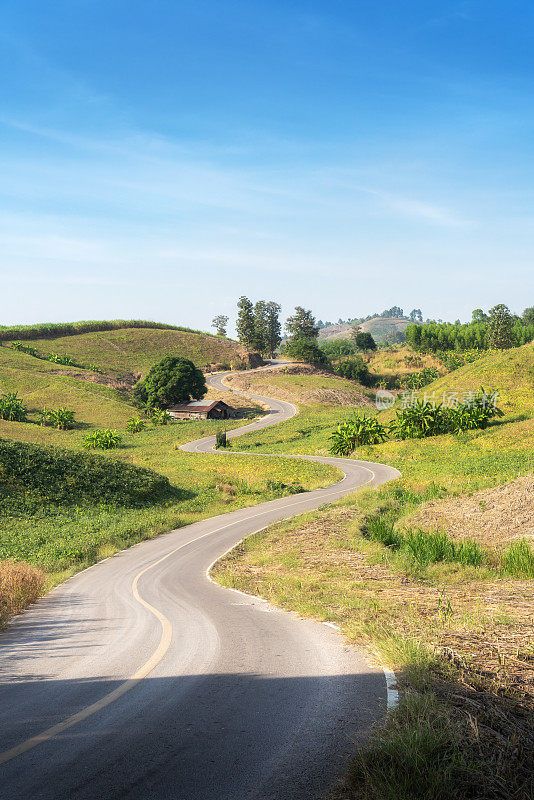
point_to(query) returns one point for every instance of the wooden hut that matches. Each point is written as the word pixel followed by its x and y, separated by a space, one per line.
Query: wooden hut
pixel 199 409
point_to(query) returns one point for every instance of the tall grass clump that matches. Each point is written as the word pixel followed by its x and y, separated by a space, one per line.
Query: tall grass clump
pixel 518 560
pixel 20 585
pixel 425 547
pixel 417 755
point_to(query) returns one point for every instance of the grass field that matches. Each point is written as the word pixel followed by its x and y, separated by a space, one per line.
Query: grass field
pixel 130 351
pixel 62 539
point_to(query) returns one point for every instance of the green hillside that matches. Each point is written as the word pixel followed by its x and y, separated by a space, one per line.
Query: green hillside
pixel 478 457
pixel 130 351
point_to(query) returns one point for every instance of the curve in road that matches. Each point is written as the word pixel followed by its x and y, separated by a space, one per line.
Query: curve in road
pixel 234 700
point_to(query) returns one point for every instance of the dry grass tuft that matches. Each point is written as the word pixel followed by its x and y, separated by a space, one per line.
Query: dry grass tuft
pixel 20 585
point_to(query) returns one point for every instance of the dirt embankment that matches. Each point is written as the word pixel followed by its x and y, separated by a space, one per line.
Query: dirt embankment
pixel 494 517
pixel 316 385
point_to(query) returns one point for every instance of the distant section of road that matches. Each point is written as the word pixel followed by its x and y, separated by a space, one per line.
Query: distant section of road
pixel 140 678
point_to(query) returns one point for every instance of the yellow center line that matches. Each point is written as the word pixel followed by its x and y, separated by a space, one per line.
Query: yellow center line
pixel 158 654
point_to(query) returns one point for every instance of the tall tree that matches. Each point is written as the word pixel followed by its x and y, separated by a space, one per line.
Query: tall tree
pixel 172 380
pixel 245 322
pixel 219 323
pixel 261 326
pixel 302 324
pixel 274 328
pixel 479 316
pixel 528 316
pixel 416 315
pixel 500 327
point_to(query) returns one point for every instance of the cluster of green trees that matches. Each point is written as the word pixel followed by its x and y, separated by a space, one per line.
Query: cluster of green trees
pixel 258 325
pixel 497 329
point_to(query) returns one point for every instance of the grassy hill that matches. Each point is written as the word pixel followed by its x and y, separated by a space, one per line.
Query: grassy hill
pixel 302 384
pixel 128 352
pixel 378 327
pixel 478 457
pixel 61 537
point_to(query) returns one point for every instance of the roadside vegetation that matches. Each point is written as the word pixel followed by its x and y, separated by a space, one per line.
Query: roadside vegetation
pixel 433 573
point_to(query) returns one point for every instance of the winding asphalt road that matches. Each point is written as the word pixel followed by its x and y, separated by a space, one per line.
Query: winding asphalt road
pixel 140 678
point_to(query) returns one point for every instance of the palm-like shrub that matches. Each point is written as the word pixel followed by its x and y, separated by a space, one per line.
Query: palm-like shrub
pixel 102 439
pixel 12 408
pixel 135 425
pixel 418 420
pixel 60 418
pixel 356 432
pixel 159 416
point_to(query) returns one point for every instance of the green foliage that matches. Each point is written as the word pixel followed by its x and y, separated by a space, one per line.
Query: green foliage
pixel 283 489
pixel 500 327
pixel 499 330
pixel 221 440
pixel 173 380
pixel 304 350
pixel 246 331
pixel 518 560
pixel 12 408
pixel 356 432
pixel 354 369
pixel 220 323
pixel 302 325
pixel 422 378
pixel 68 477
pixel 135 425
pixel 363 341
pixel 424 418
pixel 336 348
pixel 102 439
pixel 64 359
pixel 416 755
pixel 158 416
pixel 425 547
pixel 60 418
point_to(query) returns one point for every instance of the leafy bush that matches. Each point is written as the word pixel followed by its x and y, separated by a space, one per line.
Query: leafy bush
pixel 356 432
pixel 102 439
pixel 304 350
pixel 158 416
pixel 418 379
pixel 135 425
pixel 423 418
pixel 280 488
pixel 221 440
pixel 64 359
pixel 68 477
pixel 12 408
pixel 337 348
pixel 60 418
pixel 354 369
pixel 173 380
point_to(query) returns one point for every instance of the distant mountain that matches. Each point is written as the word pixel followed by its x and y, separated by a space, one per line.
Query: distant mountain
pixel 380 328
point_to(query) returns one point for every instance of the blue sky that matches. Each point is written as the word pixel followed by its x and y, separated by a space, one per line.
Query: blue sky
pixel 161 158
